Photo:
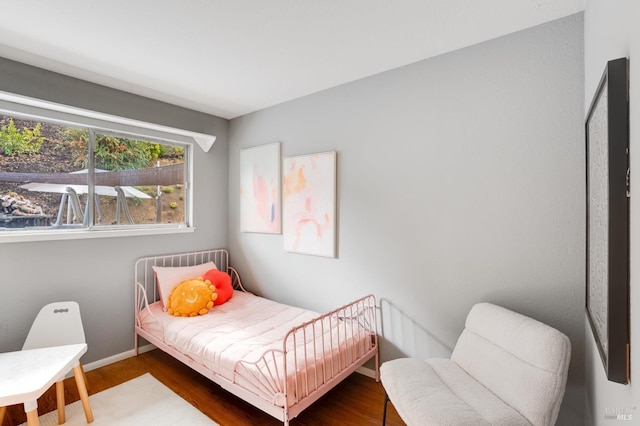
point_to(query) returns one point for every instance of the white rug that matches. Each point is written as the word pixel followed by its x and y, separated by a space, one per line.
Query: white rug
pixel 140 401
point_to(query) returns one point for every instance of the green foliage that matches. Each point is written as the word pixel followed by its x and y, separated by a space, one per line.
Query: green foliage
pixel 16 142
pixel 116 153
pixel 111 153
pixel 155 150
pixel 173 205
pixel 168 151
pixel 149 190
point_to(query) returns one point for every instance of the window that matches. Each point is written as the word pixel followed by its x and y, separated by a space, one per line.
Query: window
pixel 81 175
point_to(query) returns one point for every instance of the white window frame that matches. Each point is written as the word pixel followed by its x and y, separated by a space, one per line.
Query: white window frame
pixel 17 105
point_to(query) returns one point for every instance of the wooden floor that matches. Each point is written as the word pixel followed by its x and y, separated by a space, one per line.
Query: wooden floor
pixel 356 401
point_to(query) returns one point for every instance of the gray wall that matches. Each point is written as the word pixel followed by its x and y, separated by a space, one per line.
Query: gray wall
pixel 98 273
pixel 460 179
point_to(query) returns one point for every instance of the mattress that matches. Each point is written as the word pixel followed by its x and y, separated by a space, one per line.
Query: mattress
pixel 243 341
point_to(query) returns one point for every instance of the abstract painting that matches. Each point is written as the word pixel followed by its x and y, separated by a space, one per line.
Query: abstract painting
pixel 260 189
pixel 309 204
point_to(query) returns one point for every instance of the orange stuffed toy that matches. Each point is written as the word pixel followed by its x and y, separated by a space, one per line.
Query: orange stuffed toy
pixel 192 297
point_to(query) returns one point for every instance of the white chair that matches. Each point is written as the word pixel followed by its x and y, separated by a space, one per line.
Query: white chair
pixel 506 369
pixel 57 325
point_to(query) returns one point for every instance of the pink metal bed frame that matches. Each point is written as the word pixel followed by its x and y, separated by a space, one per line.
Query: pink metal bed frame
pixel 359 316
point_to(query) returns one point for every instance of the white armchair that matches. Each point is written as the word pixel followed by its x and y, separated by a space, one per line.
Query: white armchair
pixel 506 369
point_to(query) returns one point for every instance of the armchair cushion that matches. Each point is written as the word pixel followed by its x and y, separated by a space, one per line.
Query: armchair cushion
pixel 523 361
pixel 438 392
pixel 506 369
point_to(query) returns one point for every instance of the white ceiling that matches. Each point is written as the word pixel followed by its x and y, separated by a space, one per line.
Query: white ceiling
pixel 232 57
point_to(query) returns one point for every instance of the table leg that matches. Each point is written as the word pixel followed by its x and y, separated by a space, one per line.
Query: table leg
pixel 82 390
pixel 60 400
pixel 3 411
pixel 32 418
pixel 84 375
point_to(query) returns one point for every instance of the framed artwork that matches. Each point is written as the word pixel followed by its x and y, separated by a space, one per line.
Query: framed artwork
pixel 260 189
pixel 309 204
pixel 607 202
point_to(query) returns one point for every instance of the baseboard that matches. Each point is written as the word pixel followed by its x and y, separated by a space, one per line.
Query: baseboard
pixel 118 357
pixel 366 372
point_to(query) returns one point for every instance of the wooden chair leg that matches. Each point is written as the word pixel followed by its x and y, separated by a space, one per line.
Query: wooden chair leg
pixel 60 401
pixel 384 412
pixel 82 390
pixel 3 411
pixel 32 418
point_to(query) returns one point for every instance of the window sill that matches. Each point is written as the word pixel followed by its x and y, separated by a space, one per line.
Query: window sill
pixel 79 234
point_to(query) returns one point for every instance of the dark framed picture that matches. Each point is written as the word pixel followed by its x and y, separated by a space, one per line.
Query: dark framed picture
pixel 607 219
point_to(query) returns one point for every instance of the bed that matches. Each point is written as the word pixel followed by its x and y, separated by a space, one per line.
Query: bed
pixel 279 358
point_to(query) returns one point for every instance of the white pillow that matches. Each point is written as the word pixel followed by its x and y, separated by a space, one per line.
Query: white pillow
pixel 167 277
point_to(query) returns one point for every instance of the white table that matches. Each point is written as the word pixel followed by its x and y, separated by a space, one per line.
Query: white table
pixel 26 375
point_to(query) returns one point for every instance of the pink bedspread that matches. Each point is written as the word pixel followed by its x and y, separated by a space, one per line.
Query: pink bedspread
pixel 245 328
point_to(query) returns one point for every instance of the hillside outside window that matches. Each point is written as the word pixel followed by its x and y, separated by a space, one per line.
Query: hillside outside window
pixel 57 177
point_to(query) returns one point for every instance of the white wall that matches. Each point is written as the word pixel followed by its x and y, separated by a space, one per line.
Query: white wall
pixel 98 273
pixel 460 179
pixel 611 31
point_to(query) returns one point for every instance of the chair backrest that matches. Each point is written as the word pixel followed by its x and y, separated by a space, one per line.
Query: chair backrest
pixel 521 360
pixel 56 324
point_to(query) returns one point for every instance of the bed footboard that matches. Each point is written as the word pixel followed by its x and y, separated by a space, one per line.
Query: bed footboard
pixel 315 356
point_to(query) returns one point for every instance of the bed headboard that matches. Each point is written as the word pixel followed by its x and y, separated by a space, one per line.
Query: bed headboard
pixel 145 278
